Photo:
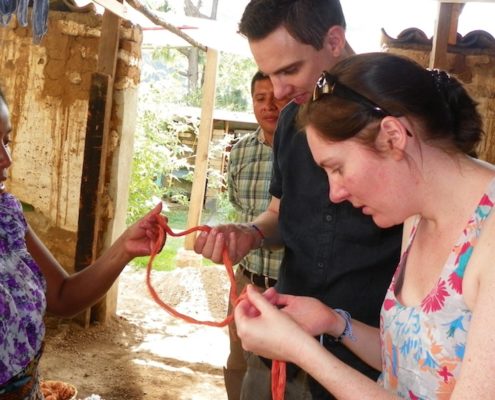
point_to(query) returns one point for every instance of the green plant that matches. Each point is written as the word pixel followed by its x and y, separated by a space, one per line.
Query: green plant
pixel 158 154
pixel 221 213
pixel 161 157
pixel 165 69
pixel 165 260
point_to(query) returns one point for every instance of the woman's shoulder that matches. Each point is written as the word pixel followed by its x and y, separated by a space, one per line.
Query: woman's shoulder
pixel 9 204
pixel 8 199
pixel 12 221
pixel 481 263
pixel 487 233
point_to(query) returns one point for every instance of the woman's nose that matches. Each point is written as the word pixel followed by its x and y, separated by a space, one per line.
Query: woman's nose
pixel 5 159
pixel 338 193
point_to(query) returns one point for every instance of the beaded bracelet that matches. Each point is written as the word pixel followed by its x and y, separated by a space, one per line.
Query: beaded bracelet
pixel 348 326
pixel 347 333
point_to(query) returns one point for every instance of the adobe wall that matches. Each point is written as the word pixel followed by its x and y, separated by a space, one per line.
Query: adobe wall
pixel 47 87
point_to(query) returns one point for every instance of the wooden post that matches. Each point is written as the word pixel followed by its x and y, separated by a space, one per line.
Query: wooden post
pixel 98 116
pixel 89 240
pixel 205 130
pixel 445 33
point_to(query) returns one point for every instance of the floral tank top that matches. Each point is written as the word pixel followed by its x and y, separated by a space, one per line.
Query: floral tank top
pixel 22 293
pixel 423 346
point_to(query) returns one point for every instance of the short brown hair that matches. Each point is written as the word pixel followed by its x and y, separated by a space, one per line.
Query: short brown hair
pixel 307 21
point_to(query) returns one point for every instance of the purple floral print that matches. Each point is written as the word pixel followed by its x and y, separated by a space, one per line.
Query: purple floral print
pixel 22 293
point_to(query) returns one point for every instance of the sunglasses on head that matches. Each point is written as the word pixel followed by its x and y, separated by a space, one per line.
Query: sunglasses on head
pixel 327 84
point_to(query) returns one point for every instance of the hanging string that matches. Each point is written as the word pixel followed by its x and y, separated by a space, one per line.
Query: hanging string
pixel 278 373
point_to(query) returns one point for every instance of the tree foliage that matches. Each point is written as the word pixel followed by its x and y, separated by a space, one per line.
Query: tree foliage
pixel 233 90
pixel 158 155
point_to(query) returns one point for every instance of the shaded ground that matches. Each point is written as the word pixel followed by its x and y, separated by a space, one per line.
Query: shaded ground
pixel 145 353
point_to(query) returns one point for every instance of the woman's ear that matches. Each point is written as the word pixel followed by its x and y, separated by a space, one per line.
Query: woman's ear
pixel 392 137
pixel 335 40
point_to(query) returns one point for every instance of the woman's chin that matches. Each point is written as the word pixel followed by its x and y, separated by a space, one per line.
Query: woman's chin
pixel 382 222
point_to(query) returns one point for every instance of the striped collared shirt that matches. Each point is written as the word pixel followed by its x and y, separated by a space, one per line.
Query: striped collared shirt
pixel 248 178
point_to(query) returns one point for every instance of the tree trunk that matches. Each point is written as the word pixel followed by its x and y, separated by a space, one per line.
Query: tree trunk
pixel 193 10
pixel 214 9
pixel 192 69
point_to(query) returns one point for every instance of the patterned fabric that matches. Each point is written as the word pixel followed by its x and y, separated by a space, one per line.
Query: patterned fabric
pixel 22 293
pixel 423 346
pixel 39 15
pixel 25 385
pixel 249 175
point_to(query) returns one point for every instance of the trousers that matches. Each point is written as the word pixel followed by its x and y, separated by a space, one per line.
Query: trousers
pixel 257 382
pixel 246 377
pixel 236 366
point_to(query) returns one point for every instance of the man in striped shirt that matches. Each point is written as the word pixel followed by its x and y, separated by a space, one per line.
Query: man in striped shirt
pixel 249 175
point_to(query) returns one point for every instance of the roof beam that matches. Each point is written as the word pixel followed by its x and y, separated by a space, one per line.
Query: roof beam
pixel 445 33
pixel 114 6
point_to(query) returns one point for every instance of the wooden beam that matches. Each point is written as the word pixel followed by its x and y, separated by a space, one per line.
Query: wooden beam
pixel 118 8
pixel 109 43
pixel 107 64
pixel 205 130
pixel 90 224
pixel 157 20
pixel 121 10
pixel 445 33
pixel 97 123
pixel 95 127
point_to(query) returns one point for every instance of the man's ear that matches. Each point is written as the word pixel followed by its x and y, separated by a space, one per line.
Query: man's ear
pixel 335 40
pixel 392 137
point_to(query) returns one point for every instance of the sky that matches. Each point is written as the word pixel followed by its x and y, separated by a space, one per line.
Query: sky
pixel 365 19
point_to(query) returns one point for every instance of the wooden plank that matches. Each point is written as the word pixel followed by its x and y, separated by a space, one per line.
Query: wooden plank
pixel 107 64
pixel 97 114
pixel 205 131
pixel 97 122
pixel 445 33
pixel 454 23
pixel 90 232
pixel 118 8
pixel 109 43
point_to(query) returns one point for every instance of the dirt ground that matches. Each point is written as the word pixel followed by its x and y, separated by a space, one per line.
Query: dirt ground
pixel 145 353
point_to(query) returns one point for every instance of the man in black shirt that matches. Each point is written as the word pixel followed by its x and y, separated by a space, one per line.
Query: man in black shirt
pixel 332 251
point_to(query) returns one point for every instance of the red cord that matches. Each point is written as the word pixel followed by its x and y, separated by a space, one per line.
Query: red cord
pixel 278 379
pixel 278 367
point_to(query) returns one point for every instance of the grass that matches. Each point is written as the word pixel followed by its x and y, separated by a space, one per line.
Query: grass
pixel 165 260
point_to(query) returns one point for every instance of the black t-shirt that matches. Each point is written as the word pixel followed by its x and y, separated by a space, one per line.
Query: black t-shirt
pixel 333 251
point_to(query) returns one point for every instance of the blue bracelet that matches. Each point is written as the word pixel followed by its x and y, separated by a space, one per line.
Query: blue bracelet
pixel 347 330
pixel 348 326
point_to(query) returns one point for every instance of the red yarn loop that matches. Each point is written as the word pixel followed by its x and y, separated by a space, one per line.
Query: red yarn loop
pixel 278 367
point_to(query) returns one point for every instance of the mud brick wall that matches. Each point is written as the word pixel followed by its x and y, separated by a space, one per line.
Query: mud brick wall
pixel 47 87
